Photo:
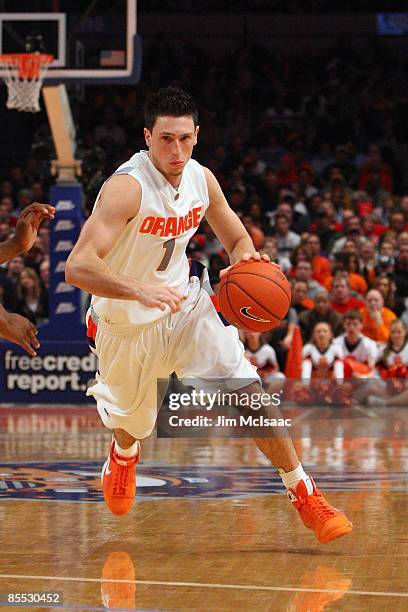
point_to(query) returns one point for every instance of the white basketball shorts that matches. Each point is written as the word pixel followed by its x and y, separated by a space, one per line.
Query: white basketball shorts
pixel 194 343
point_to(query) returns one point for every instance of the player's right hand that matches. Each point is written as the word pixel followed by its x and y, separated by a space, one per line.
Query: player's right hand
pixel 21 331
pixel 160 297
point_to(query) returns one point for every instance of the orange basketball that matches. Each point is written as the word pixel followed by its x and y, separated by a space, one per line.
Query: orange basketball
pixel 254 295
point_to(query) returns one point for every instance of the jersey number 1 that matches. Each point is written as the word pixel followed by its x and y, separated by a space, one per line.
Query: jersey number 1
pixel 169 248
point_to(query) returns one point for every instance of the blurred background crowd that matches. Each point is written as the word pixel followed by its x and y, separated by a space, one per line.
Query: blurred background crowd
pixel 311 152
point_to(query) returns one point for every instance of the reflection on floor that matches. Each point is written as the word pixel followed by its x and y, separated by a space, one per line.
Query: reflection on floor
pixel 211 528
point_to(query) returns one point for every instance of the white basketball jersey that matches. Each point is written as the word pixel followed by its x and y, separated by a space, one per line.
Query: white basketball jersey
pixel 152 247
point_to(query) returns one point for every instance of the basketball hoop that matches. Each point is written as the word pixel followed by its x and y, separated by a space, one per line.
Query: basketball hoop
pixel 24 76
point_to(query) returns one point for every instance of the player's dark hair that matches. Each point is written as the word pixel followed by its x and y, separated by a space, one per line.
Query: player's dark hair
pixel 169 102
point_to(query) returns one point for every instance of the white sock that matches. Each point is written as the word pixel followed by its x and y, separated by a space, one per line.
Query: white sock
pixel 126 452
pixel 291 479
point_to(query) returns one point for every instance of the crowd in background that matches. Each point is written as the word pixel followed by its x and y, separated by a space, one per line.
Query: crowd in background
pixel 311 153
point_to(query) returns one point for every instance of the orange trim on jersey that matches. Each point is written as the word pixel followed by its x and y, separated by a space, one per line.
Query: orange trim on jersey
pixel 91 329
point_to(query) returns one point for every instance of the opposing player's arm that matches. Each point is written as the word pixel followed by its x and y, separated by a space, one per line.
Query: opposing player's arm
pixel 86 268
pixel 26 230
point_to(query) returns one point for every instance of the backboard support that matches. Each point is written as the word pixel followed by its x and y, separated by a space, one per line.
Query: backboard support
pixel 92 41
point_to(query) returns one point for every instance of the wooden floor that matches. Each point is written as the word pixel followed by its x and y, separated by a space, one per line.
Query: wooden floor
pixel 211 528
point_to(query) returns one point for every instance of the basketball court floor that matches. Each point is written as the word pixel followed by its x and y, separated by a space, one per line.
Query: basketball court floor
pixel 211 528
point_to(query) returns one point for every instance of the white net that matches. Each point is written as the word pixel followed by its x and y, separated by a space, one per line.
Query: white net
pixel 24 79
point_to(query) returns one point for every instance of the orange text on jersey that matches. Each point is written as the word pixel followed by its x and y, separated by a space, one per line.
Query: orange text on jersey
pixel 171 226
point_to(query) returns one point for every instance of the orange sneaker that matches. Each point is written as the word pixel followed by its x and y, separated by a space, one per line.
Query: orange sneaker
pixel 327 522
pixel 118 586
pixel 333 584
pixel 119 481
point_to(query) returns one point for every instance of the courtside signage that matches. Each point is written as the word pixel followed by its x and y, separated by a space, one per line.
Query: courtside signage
pixel 60 373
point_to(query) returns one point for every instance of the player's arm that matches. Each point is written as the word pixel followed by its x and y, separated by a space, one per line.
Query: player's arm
pixel 86 268
pixel 19 330
pixel 26 231
pixel 227 226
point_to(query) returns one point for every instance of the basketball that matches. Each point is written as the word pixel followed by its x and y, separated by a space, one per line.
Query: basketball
pixel 254 295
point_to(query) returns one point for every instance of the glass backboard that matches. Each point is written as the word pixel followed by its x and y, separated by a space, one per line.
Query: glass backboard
pixel 91 40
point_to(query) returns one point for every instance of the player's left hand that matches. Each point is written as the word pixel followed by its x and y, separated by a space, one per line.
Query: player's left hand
pixel 28 223
pixel 248 257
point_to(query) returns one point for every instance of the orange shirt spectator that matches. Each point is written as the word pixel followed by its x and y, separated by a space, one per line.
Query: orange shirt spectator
pixel 357 283
pixel 376 318
pixel 321 270
pixel 342 301
pixel 321 265
pixel 351 303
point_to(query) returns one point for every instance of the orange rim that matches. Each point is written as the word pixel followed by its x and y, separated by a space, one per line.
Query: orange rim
pixel 29 63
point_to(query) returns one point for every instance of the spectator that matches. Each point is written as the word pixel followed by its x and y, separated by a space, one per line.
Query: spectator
pixel 368 229
pixel 376 167
pixel 397 221
pixel 402 239
pixel 304 272
pixel 342 165
pixel 386 286
pixel 320 264
pixel 262 356
pixel 349 264
pixel 287 240
pixel 392 362
pixel 325 230
pixel 321 358
pixel 401 272
pixel 30 304
pixel 269 189
pixel 14 270
pixel 45 283
pixel 270 247
pixel 300 303
pixel 368 261
pixel 321 313
pixel 376 318
pixel 353 343
pixel 395 353
pixel 287 171
pixel 5 231
pixel 351 229
pixel 323 159
pixel 342 300
pixel 24 199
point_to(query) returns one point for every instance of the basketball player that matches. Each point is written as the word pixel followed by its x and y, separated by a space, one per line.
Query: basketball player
pixel 13 327
pixel 149 319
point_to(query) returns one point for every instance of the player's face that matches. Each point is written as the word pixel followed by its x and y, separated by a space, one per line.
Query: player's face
pixel 171 143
